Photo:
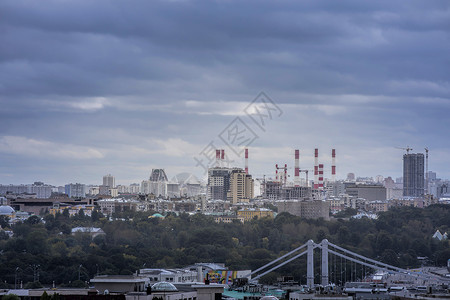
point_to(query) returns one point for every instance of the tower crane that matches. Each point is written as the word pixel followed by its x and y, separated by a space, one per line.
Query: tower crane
pixel 407 149
pixel 426 170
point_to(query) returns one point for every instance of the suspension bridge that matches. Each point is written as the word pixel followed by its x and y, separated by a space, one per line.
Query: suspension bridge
pixel 340 258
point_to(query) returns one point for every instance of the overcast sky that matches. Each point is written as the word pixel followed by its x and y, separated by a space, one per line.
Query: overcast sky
pixel 89 88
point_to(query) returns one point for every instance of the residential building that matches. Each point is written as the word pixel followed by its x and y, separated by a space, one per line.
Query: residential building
pixel 134 188
pixel 370 192
pixel 73 209
pixel 413 175
pixel 308 209
pixel 241 186
pixel 274 190
pixel 109 181
pixel 218 183
pixel 40 189
pixel 228 219
pixel 110 206
pixel 377 206
pixel 249 214
pixel 75 190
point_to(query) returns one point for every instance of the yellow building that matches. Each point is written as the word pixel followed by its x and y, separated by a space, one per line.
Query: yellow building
pixel 228 219
pixel 241 187
pixel 73 209
pixel 249 214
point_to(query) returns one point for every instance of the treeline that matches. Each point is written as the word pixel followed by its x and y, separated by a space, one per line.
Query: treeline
pixel 47 251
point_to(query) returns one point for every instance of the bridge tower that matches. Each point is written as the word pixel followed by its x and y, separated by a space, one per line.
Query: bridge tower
pixel 310 265
pixel 324 280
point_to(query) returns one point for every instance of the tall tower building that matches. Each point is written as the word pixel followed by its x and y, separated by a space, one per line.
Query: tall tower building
pixel 241 186
pixel 109 181
pixel 413 175
pixel 218 183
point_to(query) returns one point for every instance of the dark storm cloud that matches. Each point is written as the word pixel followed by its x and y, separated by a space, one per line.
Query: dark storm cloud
pixel 113 80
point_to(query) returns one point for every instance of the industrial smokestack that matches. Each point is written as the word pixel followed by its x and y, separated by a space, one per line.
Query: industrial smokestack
pixel 222 158
pixel 285 174
pixel 321 176
pixel 333 165
pixel 297 168
pixel 316 168
pixel 217 157
pixel 246 161
pixel 276 172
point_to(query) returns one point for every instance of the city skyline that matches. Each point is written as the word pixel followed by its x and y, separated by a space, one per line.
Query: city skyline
pixel 92 88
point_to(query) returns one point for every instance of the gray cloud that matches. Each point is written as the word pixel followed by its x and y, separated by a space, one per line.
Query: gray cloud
pixel 144 82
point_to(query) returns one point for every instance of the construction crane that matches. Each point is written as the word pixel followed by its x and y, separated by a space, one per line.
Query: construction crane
pixel 306 173
pixel 407 149
pixel 426 170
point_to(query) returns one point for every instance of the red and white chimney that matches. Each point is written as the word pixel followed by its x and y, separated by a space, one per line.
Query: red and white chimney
pixel 217 157
pixel 320 176
pixel 276 172
pixel 246 161
pixel 316 168
pixel 297 168
pixel 285 174
pixel 333 165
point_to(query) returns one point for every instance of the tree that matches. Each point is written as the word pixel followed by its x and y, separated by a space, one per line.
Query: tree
pixel 33 220
pixel 10 297
pixel 4 222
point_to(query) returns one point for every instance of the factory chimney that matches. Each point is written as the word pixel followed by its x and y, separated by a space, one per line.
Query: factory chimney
pixel 246 160
pixel 333 165
pixel 316 168
pixel 217 157
pixel 320 176
pixel 297 168
pixel 276 172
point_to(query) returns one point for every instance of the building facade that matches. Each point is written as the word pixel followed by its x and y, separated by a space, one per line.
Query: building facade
pixel 75 190
pixel 241 186
pixel 413 175
pixel 218 183
pixel 310 209
pixel 109 181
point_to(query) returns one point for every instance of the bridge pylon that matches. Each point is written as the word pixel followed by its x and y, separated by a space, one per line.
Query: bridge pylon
pixel 324 278
pixel 310 264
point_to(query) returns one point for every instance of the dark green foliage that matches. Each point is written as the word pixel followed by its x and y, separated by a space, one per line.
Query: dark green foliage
pixel 398 237
pixel 10 297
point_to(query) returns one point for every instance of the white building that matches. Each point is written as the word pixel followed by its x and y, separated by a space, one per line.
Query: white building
pixel 75 190
pixel 109 181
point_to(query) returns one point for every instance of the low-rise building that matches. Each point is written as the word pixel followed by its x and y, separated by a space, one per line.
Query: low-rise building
pixel 250 213
pixel 228 219
pixel 308 209
pixel 110 206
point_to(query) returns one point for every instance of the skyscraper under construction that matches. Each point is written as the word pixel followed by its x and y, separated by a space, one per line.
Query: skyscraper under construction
pixel 413 175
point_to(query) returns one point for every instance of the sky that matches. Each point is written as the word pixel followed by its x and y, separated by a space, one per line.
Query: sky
pixel 89 88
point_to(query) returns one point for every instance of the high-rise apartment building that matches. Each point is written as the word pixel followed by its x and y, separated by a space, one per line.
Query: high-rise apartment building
pixel 413 175
pixel 75 190
pixel 241 186
pixel 218 183
pixel 109 181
